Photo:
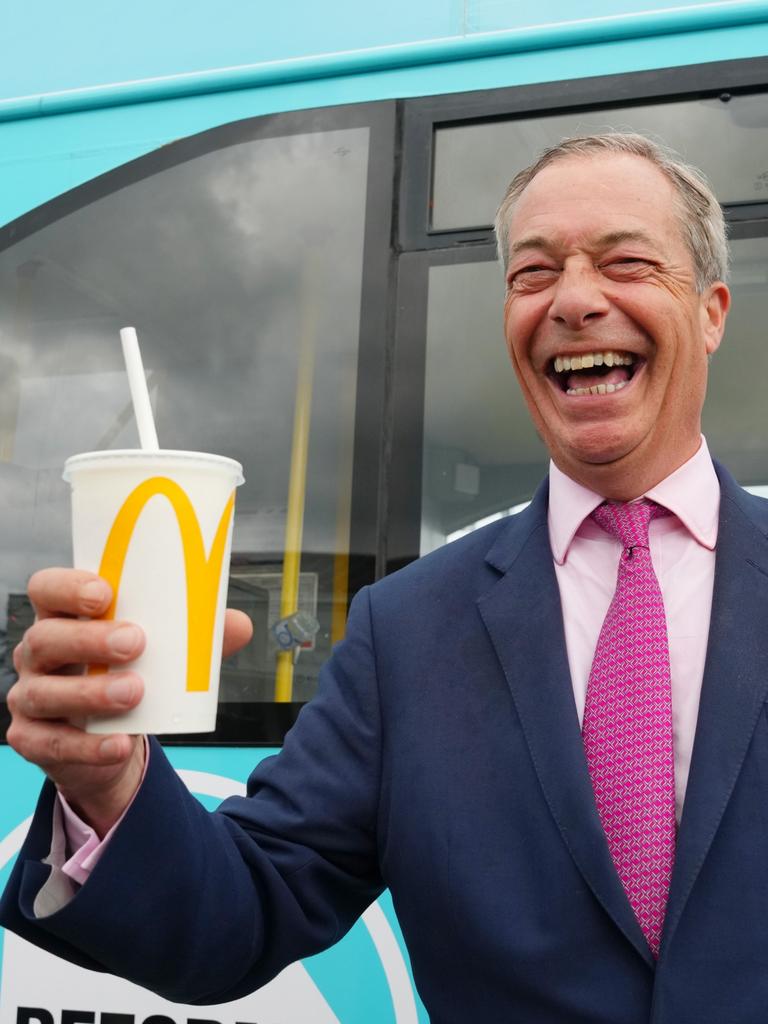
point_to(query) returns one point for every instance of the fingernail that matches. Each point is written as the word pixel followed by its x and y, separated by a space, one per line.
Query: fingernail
pixel 93 595
pixel 121 691
pixel 108 748
pixel 124 639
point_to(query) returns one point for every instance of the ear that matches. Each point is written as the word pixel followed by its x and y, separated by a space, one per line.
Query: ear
pixel 715 303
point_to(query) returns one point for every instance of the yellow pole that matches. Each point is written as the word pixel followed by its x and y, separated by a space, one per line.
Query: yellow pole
pixel 297 485
pixel 343 505
pixel 340 592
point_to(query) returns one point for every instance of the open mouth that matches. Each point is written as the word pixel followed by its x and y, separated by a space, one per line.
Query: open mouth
pixel 594 373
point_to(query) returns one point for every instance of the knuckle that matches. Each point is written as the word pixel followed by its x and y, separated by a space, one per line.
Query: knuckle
pixel 86 692
pixel 13 699
pixel 32 644
pixel 55 590
pixel 36 581
pixel 56 753
pixel 29 699
pixel 89 642
pixel 26 698
pixel 19 739
pixel 37 586
pixel 81 688
pixel 14 737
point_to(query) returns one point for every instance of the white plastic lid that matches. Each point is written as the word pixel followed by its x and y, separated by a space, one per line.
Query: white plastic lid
pixel 118 458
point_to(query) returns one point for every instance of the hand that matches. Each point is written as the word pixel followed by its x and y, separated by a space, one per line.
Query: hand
pixel 97 774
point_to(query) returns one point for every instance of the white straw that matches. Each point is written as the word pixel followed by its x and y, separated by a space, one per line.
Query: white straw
pixel 139 391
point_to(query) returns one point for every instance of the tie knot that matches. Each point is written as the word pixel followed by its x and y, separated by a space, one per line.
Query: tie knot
pixel 628 521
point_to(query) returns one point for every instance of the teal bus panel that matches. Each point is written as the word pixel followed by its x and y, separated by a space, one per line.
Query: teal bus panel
pixel 364 979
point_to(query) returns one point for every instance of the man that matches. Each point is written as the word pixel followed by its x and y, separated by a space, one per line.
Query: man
pixel 482 743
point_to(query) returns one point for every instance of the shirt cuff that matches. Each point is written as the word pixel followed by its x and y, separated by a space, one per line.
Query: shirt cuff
pixel 83 843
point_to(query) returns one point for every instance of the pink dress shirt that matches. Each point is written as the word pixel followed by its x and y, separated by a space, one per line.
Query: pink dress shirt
pixel 84 846
pixel 586 564
pixel 683 555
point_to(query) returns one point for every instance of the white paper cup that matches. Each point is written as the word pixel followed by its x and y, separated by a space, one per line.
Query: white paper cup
pixel 158 527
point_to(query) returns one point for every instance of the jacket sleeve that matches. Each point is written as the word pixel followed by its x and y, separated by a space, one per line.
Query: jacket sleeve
pixel 204 907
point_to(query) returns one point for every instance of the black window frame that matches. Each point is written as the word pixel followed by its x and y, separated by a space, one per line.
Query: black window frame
pixel 634 88
pixel 422 246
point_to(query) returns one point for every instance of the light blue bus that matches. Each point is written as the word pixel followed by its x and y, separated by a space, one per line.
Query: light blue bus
pixel 294 208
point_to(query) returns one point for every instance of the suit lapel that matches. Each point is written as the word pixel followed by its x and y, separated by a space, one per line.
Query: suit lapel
pixel 734 687
pixel 523 616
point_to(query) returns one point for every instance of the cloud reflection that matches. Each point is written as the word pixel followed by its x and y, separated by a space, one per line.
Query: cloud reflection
pixel 208 260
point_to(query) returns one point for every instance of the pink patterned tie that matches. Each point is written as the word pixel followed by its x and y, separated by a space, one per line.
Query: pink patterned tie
pixel 628 722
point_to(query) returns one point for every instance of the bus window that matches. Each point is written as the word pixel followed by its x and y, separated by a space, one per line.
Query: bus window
pixel 241 262
pixel 725 136
pixel 480 457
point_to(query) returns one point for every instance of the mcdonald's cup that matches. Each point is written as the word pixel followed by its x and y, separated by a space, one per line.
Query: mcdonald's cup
pixel 158 527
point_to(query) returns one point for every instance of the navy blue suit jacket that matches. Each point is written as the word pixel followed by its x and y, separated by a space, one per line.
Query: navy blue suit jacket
pixel 443 758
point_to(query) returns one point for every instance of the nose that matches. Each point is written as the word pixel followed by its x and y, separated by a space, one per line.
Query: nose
pixel 579 298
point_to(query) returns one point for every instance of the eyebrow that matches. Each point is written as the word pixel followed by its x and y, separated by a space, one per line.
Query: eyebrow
pixel 616 237
pixel 604 241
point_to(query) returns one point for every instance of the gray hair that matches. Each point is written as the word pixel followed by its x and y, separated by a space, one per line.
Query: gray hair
pixel 701 218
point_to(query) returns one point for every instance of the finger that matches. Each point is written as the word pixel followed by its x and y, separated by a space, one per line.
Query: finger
pixel 56 592
pixel 69 697
pixel 51 746
pixel 52 644
pixel 238 630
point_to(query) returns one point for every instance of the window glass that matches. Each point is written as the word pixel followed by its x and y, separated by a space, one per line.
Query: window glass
pixel 474 163
pixel 734 413
pixel 481 454
pixel 235 267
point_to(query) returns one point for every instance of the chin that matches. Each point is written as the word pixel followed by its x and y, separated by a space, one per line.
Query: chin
pixel 598 451
pixel 603 457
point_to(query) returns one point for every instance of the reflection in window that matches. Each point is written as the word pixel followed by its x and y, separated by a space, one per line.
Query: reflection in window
pixel 222 264
pixel 474 163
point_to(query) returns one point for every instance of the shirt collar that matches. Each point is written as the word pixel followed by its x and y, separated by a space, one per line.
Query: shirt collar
pixel 692 493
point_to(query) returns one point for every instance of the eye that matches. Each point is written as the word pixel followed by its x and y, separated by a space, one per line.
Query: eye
pixel 627 266
pixel 532 277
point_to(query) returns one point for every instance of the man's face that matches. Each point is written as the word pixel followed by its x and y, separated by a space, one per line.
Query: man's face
pixel 599 272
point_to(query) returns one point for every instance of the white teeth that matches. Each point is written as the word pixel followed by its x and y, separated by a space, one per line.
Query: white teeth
pixel 590 359
pixel 598 389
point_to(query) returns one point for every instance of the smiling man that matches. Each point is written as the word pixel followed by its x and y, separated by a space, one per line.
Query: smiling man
pixel 608 318
pixel 548 739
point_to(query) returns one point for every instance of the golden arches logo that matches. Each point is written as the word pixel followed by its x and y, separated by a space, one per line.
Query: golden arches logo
pixel 202 574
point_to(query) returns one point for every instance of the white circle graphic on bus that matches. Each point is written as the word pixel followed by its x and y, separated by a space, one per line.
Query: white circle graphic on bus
pixel 290 998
